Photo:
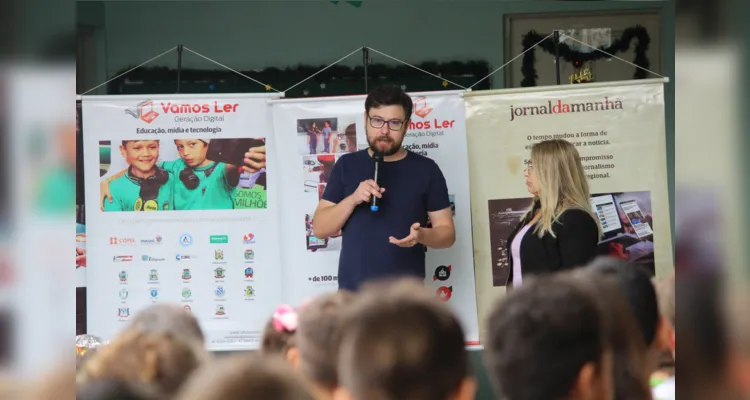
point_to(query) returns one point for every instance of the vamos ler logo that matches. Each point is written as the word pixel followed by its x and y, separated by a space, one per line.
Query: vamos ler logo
pixel 148 111
pixel 422 110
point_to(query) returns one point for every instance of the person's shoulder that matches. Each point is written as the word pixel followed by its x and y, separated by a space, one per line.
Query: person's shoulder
pixel 577 217
pixel 120 182
pixel 353 157
pixel 418 158
pixel 423 163
pixel 174 166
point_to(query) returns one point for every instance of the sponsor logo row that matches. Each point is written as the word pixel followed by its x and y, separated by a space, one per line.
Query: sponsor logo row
pixel 248 254
pixel 184 240
pixel 187 275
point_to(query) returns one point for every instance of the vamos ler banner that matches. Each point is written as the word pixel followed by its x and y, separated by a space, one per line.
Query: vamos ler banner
pixel 315 134
pixel 619 132
pixel 181 208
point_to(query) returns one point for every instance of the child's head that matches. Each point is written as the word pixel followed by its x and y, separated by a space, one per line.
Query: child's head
pixel 278 335
pixel 113 389
pixel 401 342
pixel 246 376
pixel 141 155
pixel 636 286
pixel 320 322
pixel 192 151
pixel 168 318
pixel 547 340
pixel 159 360
pixel 629 352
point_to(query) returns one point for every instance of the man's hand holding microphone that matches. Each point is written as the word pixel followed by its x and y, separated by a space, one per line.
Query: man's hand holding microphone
pixel 365 191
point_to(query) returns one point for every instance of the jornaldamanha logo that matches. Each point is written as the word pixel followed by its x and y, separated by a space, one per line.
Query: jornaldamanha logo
pixel 561 108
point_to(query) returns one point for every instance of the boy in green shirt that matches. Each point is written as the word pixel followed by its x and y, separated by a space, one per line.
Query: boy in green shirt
pixel 144 186
pixel 200 183
pixel 203 184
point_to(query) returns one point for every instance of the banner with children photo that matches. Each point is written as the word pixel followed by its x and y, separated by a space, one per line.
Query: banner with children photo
pixel 180 208
pixel 320 131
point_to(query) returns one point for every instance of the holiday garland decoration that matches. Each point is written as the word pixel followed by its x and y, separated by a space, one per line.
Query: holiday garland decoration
pixel 334 81
pixel 639 33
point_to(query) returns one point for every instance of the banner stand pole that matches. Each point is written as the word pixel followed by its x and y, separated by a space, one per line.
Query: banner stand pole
pixel 556 38
pixel 365 61
pixel 179 65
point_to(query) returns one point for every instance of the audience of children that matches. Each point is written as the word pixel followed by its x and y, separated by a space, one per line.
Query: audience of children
pixel 586 334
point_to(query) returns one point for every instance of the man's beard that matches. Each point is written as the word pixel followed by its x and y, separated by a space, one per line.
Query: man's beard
pixel 390 150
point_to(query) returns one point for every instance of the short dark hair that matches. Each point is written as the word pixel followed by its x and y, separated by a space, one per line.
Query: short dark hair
pixel 639 291
pixel 541 335
pixel 402 342
pixel 389 95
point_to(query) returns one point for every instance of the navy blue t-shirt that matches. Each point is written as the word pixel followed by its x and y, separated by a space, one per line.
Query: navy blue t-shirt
pixel 413 186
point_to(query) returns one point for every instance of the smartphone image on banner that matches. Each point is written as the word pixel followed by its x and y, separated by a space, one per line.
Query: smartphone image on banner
pixel 604 208
pixel 637 218
pixel 231 151
pixel 314 243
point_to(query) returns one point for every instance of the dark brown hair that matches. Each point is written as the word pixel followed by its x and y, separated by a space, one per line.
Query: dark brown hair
pixel 401 342
pixel 319 324
pixel 246 376
pixel 275 342
pixel 540 337
pixel 629 350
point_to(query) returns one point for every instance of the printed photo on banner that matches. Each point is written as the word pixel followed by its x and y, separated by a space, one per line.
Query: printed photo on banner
pixel 626 220
pixel 327 135
pixel 317 170
pixel 314 244
pixel 182 174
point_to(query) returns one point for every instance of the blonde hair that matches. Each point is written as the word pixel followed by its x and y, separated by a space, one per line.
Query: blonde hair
pixel 563 185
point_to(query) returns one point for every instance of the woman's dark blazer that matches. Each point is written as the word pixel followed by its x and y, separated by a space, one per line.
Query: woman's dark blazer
pixel 577 236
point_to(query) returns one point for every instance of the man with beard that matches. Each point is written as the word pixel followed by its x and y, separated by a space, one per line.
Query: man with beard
pixel 392 241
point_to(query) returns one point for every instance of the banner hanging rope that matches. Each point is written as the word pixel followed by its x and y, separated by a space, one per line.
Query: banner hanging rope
pixel 329 66
pixel 562 36
pixel 512 59
pixel 267 86
pixel 382 54
pixel 129 71
pixel 417 68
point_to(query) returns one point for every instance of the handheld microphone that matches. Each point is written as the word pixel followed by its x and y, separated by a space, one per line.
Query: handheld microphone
pixel 377 158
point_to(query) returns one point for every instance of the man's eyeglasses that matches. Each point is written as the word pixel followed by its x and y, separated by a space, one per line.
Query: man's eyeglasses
pixel 393 124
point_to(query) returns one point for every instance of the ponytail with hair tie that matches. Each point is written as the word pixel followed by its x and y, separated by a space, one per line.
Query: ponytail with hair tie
pixel 285 319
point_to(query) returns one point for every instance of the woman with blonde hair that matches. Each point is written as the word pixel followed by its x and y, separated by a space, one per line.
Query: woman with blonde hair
pixel 558 231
